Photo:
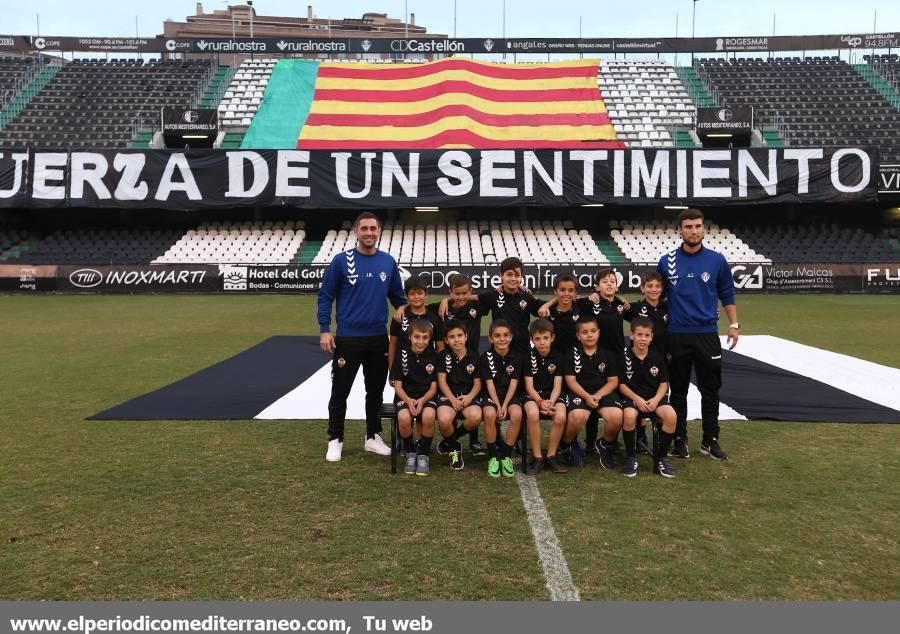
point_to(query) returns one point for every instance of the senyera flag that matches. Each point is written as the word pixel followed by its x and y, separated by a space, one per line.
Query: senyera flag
pixel 458 103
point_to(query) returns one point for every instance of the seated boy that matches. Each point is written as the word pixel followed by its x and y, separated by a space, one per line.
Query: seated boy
pixel 592 378
pixel 501 369
pixel 459 382
pixel 543 396
pixel 414 377
pixel 643 382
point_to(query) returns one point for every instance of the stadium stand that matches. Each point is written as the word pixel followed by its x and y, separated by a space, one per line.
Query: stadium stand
pixel 15 73
pixel 646 101
pixel 822 101
pixel 820 243
pixel 645 242
pixel 245 93
pixel 95 104
pixel 97 246
pixel 475 242
pixel 268 242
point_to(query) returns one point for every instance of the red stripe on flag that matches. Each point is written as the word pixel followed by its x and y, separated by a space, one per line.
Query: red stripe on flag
pixel 460 137
pixel 427 118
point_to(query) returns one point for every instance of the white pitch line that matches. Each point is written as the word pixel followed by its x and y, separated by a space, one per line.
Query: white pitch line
pixel 553 561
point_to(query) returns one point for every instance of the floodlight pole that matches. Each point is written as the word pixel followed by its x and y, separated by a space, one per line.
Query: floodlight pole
pixel 693 28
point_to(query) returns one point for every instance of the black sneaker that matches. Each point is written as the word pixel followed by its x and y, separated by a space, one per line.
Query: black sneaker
pixel 606 455
pixel 680 449
pixel 443 447
pixel 664 468
pixel 456 460
pixel 713 450
pixel 477 449
pixel 551 464
pixel 576 455
pixel 534 467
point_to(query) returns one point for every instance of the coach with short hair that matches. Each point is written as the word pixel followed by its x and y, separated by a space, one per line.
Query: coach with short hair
pixel 359 281
pixel 697 279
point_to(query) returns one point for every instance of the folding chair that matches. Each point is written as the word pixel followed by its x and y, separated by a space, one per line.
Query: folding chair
pixel 654 428
pixel 388 414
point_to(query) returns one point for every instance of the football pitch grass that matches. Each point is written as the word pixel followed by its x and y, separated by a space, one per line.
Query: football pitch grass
pixel 250 510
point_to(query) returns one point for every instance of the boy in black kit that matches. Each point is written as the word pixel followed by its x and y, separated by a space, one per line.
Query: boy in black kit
pixel 510 303
pixel 459 382
pixel 501 369
pixel 654 307
pixel 543 396
pixel 608 310
pixel 643 382
pixel 416 295
pixel 563 314
pixel 414 377
pixel 592 378
pixel 468 312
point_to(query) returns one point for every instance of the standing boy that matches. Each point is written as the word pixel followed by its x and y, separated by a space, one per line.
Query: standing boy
pixel 592 379
pixel 459 382
pixel 416 294
pixel 501 370
pixel 414 375
pixel 543 391
pixel 643 382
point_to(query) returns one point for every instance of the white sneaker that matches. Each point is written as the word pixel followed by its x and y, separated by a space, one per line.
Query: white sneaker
pixel 376 445
pixel 335 447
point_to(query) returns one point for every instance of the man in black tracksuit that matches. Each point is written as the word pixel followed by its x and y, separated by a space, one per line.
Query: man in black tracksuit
pixel 697 278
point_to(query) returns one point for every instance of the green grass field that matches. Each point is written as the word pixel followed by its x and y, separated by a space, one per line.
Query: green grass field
pixel 250 510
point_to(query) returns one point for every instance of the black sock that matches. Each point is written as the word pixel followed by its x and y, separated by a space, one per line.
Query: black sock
pixel 590 430
pixel 563 446
pixel 408 444
pixel 425 445
pixel 507 450
pixel 630 442
pixel 665 439
pixel 492 450
pixel 460 432
pixel 473 436
pixel 453 444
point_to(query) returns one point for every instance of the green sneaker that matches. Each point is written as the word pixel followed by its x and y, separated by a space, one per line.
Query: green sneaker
pixel 506 466
pixel 494 468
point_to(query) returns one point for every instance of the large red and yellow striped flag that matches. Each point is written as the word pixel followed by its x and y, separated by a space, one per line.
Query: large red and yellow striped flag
pixel 458 103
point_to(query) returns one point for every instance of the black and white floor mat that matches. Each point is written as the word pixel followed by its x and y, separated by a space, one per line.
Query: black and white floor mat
pixel 764 378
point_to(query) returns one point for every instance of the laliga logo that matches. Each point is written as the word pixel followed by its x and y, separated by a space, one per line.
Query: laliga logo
pixel 191 116
pixel 724 115
pixel 366 45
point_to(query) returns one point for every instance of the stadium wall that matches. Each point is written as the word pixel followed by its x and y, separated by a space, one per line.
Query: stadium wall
pixel 241 279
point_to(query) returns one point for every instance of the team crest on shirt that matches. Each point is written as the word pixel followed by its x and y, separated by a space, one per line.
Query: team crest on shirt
pixel 551 368
pixel 473 313
pixel 470 368
pixel 654 371
pixel 341 362
pixel 602 368
pixel 523 304
pixel 429 369
pixel 665 319
pixel 383 276
pixel 510 369
pixel 620 308
pixel 705 277
pixel 576 400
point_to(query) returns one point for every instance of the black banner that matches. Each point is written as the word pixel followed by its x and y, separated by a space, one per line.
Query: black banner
pixel 204 179
pixel 728 120
pixel 188 278
pixel 448 46
pixel 182 121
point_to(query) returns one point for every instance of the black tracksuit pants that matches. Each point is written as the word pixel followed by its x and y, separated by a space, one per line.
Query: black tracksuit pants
pixel 349 354
pixel 703 354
